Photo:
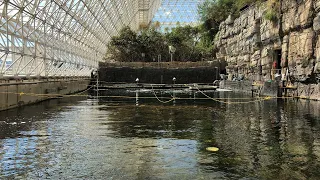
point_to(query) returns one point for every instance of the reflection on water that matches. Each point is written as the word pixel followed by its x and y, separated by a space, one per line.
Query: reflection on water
pixel 140 138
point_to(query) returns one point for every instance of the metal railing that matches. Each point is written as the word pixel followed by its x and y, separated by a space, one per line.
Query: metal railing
pixel 174 64
pixel 275 73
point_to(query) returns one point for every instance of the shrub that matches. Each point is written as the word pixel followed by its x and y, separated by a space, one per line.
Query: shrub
pixel 273 7
pixel 271 15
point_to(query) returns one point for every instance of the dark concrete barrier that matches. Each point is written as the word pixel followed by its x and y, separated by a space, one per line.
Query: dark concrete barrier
pixel 158 75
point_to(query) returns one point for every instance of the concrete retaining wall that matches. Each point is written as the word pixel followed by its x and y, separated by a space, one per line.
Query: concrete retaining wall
pixel 268 89
pixel 304 91
pixel 239 86
pixel 14 94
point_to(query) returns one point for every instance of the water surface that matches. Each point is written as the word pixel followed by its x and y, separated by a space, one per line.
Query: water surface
pixel 140 138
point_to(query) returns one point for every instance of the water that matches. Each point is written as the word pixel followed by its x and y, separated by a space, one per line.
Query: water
pixel 137 138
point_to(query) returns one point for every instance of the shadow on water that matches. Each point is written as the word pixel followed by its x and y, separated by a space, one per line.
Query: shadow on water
pixel 138 137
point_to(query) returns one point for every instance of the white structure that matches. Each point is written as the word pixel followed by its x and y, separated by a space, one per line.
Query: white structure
pixel 174 13
pixel 64 37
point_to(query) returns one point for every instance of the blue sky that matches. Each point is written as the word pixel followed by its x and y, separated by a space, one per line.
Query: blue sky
pixel 172 11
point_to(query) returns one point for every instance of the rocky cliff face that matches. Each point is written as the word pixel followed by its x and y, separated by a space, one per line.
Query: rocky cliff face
pixel 251 43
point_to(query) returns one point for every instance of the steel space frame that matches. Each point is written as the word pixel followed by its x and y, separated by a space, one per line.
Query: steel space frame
pixel 68 38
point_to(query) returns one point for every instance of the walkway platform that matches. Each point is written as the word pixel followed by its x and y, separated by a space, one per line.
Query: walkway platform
pixel 157 86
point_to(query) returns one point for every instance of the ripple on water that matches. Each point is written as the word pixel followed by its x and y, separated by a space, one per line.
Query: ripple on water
pixel 95 139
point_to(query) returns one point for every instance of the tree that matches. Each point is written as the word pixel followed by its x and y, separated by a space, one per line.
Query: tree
pixel 189 41
pixel 166 29
pixel 124 46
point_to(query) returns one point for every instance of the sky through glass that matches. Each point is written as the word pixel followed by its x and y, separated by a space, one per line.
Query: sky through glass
pixel 172 11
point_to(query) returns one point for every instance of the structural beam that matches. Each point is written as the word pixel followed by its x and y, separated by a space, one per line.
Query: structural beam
pixel 63 37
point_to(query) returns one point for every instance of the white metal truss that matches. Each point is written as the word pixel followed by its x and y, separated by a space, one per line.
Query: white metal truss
pixel 177 12
pixel 147 9
pixel 63 37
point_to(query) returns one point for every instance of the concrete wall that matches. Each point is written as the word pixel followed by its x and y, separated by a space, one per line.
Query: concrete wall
pixel 304 91
pixel 239 86
pixel 268 88
pixel 14 94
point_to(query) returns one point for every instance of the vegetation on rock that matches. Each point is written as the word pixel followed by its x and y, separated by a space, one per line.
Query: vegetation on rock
pixel 271 15
pixel 213 12
pixel 272 11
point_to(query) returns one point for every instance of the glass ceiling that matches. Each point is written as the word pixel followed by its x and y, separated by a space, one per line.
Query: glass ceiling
pixel 177 12
pixel 69 37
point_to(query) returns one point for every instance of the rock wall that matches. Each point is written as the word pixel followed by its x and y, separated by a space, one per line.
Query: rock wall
pixel 250 42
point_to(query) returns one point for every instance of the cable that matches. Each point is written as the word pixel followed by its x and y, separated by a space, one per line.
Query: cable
pixel 164 102
pixel 80 94
pixel 229 98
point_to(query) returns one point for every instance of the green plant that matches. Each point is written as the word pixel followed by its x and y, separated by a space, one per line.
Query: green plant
pixel 192 44
pixel 272 12
pixel 271 15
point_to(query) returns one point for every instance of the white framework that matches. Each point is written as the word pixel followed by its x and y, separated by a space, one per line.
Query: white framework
pixel 63 37
pixel 173 11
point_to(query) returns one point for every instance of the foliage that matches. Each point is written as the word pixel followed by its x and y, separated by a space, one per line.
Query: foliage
pixel 192 44
pixel 272 10
pixel 271 15
pixel 123 46
pixel 213 12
